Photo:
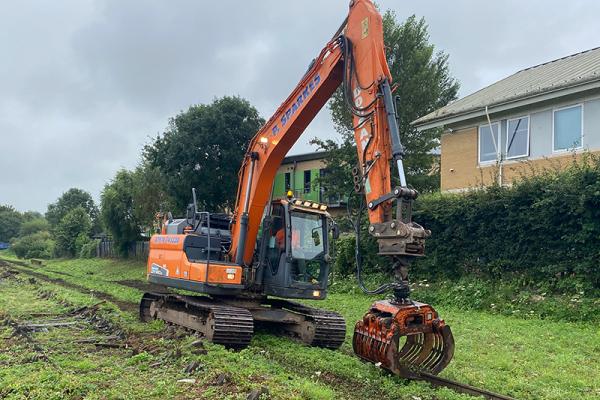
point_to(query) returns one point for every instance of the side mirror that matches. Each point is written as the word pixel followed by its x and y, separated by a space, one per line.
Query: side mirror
pixel 335 231
pixel 316 237
pixel 190 214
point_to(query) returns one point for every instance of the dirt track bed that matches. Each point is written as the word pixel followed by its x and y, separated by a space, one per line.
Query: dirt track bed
pixel 28 270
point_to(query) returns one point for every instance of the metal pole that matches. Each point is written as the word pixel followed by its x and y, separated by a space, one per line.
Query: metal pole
pixel 208 239
pixel 496 146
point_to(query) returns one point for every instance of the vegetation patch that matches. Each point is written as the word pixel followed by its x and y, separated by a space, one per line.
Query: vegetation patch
pixel 503 297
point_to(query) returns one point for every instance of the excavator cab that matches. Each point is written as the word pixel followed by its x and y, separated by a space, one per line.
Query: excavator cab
pixel 294 258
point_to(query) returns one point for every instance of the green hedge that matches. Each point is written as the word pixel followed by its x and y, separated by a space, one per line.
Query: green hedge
pixel 545 229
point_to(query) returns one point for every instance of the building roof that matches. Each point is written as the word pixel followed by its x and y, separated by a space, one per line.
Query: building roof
pixel 316 155
pixel 567 75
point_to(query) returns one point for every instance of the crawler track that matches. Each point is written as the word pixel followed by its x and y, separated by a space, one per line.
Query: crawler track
pixel 230 322
pixel 222 324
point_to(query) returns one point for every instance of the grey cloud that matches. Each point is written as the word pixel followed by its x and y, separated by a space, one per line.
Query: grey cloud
pixel 84 84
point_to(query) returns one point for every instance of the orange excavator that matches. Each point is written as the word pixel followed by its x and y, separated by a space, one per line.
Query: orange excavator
pixel 247 266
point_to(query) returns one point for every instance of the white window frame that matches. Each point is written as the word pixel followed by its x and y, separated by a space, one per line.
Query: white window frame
pixel 528 137
pixel 498 145
pixel 581 133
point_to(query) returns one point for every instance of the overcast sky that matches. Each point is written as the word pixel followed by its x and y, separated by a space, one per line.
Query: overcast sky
pixel 84 84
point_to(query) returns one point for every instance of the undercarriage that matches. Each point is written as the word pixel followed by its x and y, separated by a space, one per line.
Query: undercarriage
pixel 230 321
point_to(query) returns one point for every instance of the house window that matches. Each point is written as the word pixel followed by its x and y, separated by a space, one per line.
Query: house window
pixel 568 128
pixel 517 137
pixel 307 181
pixel 488 142
pixel 288 181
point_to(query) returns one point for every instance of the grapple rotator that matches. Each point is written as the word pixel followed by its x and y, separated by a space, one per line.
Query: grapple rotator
pixel 401 335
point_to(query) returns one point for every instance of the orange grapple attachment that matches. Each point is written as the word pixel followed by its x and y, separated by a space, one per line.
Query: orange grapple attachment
pixel 404 338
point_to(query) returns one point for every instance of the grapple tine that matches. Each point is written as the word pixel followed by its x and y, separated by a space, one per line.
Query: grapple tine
pixel 434 355
pixel 410 349
pixel 446 349
pixel 428 347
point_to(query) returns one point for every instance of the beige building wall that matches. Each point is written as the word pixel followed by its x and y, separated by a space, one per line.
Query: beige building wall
pixel 460 170
pixel 459 167
pixel 512 171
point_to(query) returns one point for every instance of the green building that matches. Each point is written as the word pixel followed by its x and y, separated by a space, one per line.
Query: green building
pixel 300 173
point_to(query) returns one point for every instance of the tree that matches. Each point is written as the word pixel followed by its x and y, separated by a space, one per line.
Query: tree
pixel 10 222
pixel 72 232
pixel 117 210
pixel 34 225
pixel 424 84
pixel 31 215
pixel 203 148
pixel 149 194
pixel 70 200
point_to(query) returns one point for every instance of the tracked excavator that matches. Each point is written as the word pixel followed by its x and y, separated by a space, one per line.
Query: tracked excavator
pixel 246 267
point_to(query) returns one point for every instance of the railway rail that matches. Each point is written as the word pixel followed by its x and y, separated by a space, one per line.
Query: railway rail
pixel 438 381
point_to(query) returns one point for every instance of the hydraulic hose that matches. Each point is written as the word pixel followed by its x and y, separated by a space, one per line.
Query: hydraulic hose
pixel 358 256
pixel 349 73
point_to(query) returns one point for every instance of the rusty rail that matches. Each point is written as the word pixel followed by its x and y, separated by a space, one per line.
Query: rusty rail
pixel 435 380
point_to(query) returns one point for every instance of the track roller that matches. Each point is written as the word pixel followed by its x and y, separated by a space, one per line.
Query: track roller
pixel 312 326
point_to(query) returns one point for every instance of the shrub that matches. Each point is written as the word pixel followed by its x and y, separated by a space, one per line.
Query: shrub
pixel 344 254
pixel 35 245
pixel 343 263
pixel 88 250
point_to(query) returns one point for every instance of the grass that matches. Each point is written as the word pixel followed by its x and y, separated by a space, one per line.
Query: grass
pixel 528 358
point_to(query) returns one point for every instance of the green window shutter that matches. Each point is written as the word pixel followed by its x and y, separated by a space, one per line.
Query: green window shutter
pixel 279 186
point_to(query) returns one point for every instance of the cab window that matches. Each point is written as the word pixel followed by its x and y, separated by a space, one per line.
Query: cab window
pixel 276 238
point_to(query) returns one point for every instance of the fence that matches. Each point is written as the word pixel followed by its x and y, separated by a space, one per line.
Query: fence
pixel 138 250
